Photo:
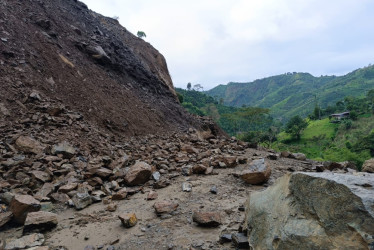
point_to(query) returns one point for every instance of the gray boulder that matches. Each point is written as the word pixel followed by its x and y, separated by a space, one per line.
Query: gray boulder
pixel 313 211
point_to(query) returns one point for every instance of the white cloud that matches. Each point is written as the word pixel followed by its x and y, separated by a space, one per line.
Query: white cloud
pixel 216 41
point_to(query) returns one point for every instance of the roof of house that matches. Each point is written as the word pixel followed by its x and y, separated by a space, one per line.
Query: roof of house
pixel 341 114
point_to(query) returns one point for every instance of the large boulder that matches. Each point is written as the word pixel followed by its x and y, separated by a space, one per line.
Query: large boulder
pixel 138 174
pixel 28 144
pixel 313 211
pixel 40 221
pixel 257 172
pixel 21 205
pixel 368 166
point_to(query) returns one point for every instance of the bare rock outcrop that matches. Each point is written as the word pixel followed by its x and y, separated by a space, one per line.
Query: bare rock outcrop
pixel 313 211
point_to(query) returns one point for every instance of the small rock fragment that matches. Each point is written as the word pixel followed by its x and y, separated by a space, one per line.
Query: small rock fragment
pixel 65 149
pixel 213 190
pixel 5 218
pixel 120 195
pixel 41 176
pixel 111 207
pixel 207 219
pixel 152 195
pixel 187 170
pixel 186 187
pixel 68 187
pixel 199 169
pixel 128 220
pixel 297 156
pixel 224 238
pixel 81 200
pixel 164 207
pixel 45 190
pixel 156 176
pixel 240 240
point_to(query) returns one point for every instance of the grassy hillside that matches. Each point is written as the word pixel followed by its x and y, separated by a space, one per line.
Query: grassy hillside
pixel 295 93
pixel 326 141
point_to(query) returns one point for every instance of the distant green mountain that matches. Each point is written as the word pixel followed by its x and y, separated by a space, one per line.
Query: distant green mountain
pixel 232 120
pixel 295 93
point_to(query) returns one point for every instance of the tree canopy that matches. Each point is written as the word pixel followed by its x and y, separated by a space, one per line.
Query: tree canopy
pixel 295 126
pixel 141 34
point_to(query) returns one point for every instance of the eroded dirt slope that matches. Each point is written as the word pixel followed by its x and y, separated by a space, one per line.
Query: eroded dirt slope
pixel 88 63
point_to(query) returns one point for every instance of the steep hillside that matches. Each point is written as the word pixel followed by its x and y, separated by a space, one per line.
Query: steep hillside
pixel 295 93
pixel 233 120
pixel 81 61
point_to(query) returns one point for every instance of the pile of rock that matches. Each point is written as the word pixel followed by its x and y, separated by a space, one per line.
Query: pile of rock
pixel 66 171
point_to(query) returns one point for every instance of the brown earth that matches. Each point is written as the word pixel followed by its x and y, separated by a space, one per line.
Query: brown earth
pixel 87 63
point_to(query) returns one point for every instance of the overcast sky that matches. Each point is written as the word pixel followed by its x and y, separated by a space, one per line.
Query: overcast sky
pixel 213 42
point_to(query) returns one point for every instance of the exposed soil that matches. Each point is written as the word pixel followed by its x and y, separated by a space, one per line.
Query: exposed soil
pixel 90 64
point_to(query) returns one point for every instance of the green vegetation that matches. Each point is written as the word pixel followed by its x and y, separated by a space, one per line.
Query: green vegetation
pixel 232 120
pixel 295 126
pixel 320 136
pixel 293 94
pixel 350 139
pixel 141 34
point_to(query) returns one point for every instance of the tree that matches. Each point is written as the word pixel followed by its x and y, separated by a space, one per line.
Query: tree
pixel 141 34
pixel 198 87
pixel 370 97
pixel 353 115
pixel 189 86
pixel 180 97
pixel 295 126
pixel 317 113
pixel 365 143
pixel 340 105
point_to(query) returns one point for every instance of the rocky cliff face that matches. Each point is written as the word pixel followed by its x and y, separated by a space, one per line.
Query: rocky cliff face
pixel 86 63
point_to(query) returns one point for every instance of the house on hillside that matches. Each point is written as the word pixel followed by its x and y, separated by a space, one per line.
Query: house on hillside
pixel 334 118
